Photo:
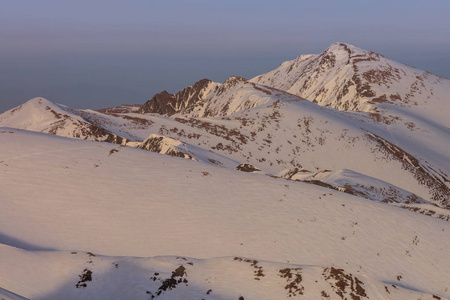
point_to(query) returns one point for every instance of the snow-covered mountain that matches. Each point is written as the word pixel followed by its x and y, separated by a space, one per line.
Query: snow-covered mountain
pixel 326 178
pixel 346 77
pixel 287 132
pixel 168 104
pixel 209 99
pixel 41 115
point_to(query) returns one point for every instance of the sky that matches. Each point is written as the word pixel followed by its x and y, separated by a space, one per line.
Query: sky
pixel 102 53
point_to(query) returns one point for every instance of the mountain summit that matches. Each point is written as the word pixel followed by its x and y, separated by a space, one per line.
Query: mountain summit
pixel 40 114
pixel 346 77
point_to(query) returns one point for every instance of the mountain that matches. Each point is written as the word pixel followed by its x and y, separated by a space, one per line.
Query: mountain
pixel 209 99
pixel 246 189
pixel 289 132
pixel 167 104
pixel 348 78
pixel 285 132
pixel 41 115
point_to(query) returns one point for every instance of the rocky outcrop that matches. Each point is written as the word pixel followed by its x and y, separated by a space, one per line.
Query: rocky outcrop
pixel 121 109
pixel 192 94
pixel 162 103
pixel 246 167
pixel 198 99
pixel 165 103
pixel 164 145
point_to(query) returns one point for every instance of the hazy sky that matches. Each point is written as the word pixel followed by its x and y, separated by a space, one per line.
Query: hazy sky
pixel 95 54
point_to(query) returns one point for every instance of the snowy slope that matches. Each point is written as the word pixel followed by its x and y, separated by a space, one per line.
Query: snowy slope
pixel 284 131
pixel 121 201
pixel 412 141
pixel 360 185
pixel 355 184
pixel 288 132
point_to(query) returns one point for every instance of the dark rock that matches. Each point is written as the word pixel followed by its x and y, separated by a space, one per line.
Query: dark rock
pixel 162 103
pixel 169 104
pixel 245 167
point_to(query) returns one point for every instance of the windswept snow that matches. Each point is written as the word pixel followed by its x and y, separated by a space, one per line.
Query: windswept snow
pixel 91 276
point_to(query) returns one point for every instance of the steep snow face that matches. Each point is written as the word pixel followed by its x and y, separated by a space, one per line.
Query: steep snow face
pixel 346 77
pixel 41 115
pixel 121 201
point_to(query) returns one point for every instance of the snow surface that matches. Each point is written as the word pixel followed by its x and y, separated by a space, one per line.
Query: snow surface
pixel 73 195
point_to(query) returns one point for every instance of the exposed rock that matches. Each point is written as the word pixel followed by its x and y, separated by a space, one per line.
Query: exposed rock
pixel 191 94
pixel 121 109
pixel 162 103
pixel 164 145
pixel 189 98
pixel 246 167
pixel 229 83
pixel 167 104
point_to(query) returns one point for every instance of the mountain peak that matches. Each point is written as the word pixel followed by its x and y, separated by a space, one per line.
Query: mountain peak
pixel 344 53
pixel 229 83
pixel 36 108
pixel 161 103
pixel 185 100
pixel 42 115
pixel 235 79
pixel 349 78
pixel 39 100
pixel 36 102
pixel 349 48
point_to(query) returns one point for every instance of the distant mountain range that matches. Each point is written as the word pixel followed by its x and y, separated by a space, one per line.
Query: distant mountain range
pixel 359 140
